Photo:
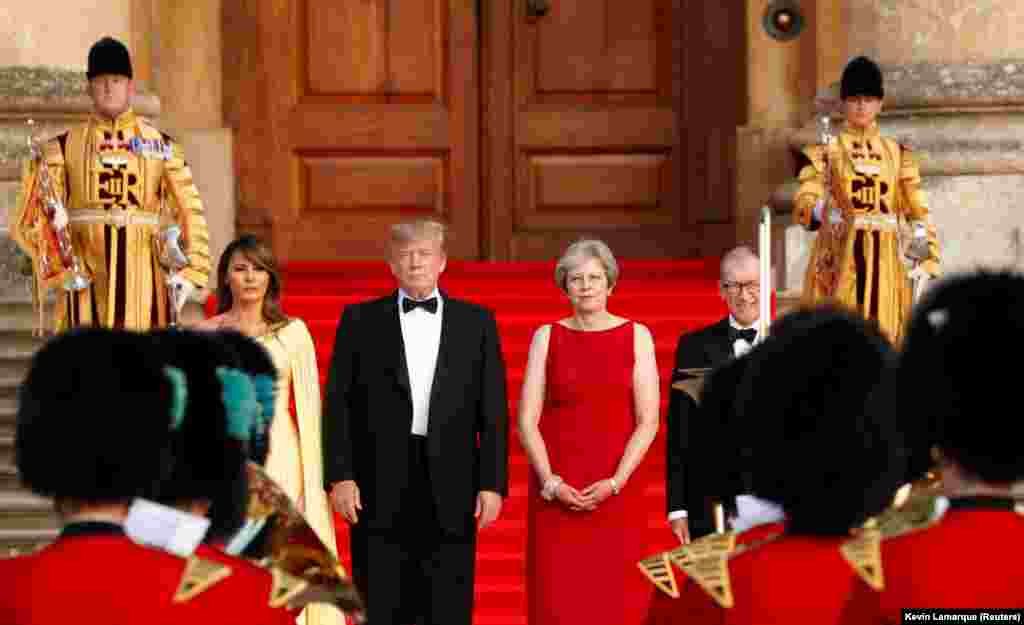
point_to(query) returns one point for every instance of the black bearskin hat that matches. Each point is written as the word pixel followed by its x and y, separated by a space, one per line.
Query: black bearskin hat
pixel 94 418
pixel 109 56
pixel 810 445
pixel 209 458
pixel 256 361
pixel 952 382
pixel 861 77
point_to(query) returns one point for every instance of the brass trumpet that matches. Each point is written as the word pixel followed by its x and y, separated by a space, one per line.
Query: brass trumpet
pixel 277 534
pixel 69 270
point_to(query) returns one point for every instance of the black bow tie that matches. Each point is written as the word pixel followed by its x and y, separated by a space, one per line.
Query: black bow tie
pixel 429 305
pixel 747 335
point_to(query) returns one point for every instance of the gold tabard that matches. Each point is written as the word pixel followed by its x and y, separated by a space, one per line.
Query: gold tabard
pixel 858 262
pixel 120 180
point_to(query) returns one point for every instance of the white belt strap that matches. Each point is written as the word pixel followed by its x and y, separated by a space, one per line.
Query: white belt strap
pixel 117 217
pixel 876 222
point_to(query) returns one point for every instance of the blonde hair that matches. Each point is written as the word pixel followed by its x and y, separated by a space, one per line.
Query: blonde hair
pixel 580 252
pixel 420 229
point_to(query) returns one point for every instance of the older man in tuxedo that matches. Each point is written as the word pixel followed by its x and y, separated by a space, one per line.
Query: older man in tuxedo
pixel 415 433
pixel 689 511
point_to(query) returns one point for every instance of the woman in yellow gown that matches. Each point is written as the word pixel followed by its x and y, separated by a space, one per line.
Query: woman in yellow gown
pixel 248 301
pixel 862 193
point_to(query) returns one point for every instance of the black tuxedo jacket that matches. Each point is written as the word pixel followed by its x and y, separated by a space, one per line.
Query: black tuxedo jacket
pixel 707 347
pixel 368 412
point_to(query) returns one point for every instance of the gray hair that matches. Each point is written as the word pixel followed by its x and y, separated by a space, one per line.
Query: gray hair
pixel 735 256
pixel 420 229
pixel 580 252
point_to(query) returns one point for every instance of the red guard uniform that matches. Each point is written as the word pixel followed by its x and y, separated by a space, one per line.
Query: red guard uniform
pixel 968 559
pixel 665 610
pixel 786 580
pixel 269 589
pixel 94 574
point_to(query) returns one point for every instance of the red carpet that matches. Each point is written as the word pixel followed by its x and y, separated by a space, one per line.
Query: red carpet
pixel 670 297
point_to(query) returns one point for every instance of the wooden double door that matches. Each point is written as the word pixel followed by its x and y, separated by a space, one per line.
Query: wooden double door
pixel 521 123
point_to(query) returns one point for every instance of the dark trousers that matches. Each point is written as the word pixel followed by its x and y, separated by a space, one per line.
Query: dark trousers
pixel 415 573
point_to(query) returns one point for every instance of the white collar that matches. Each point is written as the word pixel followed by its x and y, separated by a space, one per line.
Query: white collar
pixel 403 295
pixel 735 325
pixel 752 511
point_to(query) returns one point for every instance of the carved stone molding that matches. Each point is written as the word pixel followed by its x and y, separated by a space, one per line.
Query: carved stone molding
pixel 55 98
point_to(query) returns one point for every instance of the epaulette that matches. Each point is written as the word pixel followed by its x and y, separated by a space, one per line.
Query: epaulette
pixel 149 131
pixel 199 575
pixel 919 512
pixel 864 553
pixel 284 587
pixel 704 560
pixel 690 381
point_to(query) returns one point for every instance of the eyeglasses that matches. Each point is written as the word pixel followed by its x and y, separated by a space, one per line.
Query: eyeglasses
pixel 734 288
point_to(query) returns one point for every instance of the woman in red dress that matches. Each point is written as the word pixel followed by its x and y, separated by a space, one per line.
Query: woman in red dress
pixel 588 414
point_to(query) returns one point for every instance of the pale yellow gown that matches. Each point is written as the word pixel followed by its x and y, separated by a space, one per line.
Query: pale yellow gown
pixel 295 461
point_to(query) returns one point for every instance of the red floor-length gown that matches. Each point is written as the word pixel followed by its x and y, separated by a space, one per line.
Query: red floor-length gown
pixel 582 565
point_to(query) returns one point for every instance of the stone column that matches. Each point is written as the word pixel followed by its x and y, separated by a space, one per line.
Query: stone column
pixel 188 74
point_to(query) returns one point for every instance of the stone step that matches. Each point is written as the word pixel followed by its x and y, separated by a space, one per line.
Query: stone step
pixel 6 450
pixel 21 510
pixel 16 315
pixel 19 345
pixel 9 480
pixel 13 370
pixel 10 381
pixel 15 542
pixel 8 410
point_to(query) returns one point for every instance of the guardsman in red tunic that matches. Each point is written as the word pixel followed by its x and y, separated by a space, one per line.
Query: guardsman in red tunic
pixel 968 556
pixel 223 429
pixel 719 452
pixel 807 444
pixel 95 425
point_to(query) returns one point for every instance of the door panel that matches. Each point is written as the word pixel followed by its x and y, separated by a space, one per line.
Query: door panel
pixel 357 115
pixel 593 142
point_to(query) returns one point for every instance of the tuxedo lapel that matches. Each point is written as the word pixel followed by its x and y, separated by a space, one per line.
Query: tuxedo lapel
pixel 397 346
pixel 448 319
pixel 720 350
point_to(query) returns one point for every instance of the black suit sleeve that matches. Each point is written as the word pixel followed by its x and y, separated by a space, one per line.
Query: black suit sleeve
pixel 681 406
pixel 337 413
pixel 492 412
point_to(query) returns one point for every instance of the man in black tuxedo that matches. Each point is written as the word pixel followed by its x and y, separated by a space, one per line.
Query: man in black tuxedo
pixel 415 433
pixel 689 509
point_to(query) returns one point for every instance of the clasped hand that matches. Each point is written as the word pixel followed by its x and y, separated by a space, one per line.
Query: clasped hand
pixel 586 500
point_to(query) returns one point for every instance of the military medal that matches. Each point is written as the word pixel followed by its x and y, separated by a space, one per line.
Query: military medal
pixel 150 148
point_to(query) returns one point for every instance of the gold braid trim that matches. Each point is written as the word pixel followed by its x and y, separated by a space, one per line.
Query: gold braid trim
pixel 864 554
pixel 199 576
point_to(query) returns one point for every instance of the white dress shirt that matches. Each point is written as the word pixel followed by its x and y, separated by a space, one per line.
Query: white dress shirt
pixel 739 348
pixel 421 336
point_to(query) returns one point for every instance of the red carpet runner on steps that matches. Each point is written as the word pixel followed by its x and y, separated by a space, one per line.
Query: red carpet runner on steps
pixel 670 297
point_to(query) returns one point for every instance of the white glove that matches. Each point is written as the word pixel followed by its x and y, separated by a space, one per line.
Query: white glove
pixel 918 248
pixel 835 215
pixel 918 273
pixel 182 290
